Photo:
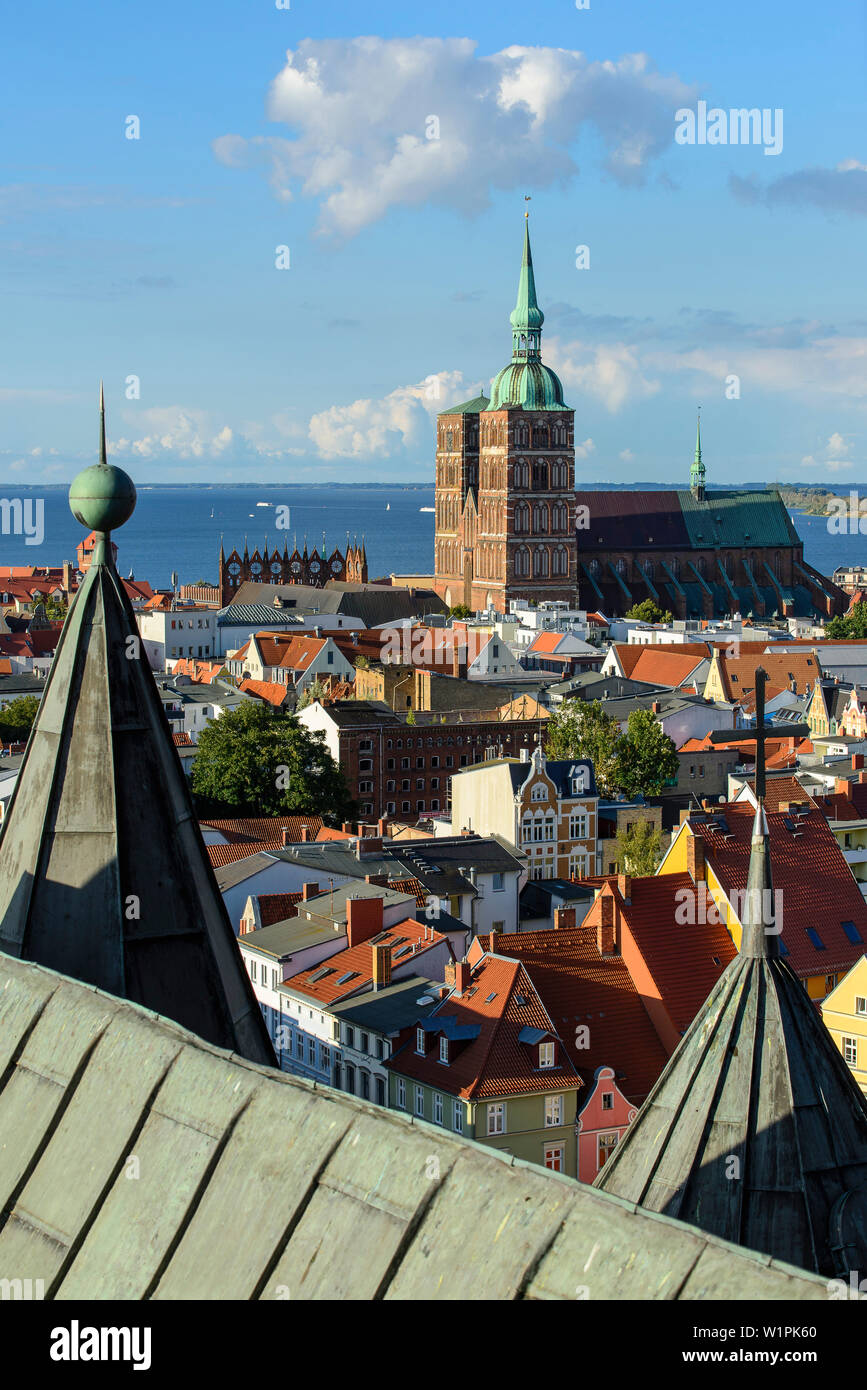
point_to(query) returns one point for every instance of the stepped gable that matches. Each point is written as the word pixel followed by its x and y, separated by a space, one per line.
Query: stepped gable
pixel 105 876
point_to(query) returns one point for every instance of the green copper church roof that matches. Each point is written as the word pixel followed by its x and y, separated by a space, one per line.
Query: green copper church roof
pixel 472 407
pixel 526 383
pixel 105 876
pixel 737 519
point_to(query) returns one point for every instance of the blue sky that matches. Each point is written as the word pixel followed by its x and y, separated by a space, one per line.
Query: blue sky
pixel 155 258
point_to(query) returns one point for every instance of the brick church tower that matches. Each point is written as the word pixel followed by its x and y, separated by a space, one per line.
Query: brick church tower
pixel 505 479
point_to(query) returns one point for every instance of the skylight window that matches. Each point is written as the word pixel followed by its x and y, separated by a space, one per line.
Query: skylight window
pixel 491 997
pixel 816 939
pixel 320 974
pixel 852 932
pixel 350 975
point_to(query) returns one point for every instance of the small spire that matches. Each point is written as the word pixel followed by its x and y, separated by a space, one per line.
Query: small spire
pixel 698 438
pixel 102 453
pixel 527 318
pixel 760 931
pixel 697 472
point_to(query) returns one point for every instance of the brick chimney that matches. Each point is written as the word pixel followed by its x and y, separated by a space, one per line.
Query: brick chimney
pixel 492 940
pixel 463 975
pixel 308 891
pixel 346 827
pixel 363 920
pixel 368 844
pixel 656 707
pixel 449 972
pixel 624 885
pixel 607 927
pixel 857 761
pixel 382 829
pixel 843 788
pixel 695 858
pixel 381 966
pixel 305 834
pixel 564 917
pixel 378 880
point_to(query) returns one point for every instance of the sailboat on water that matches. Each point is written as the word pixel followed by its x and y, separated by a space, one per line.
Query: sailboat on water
pixel 388 506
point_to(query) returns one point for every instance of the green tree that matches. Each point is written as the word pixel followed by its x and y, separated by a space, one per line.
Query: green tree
pixel 646 757
pixel 16 719
pixel 648 612
pixel 854 626
pixel 460 610
pixel 582 730
pixel 258 761
pixel 638 848
pixel 314 691
pixel 410 716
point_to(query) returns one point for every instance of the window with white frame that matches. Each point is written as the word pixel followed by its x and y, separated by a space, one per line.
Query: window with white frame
pixel 401 1093
pixel 444 1050
pixel 419 1041
pixel 419 1100
pixel 578 825
pixel 850 1051
pixel 553 1111
pixel 539 792
pixel 554 1157
pixel 860 1004
pixel 438 1109
pixel 578 864
pixel 497 1117
pixel 546 1054
pixel 527 826
pixel 459 1117
pixel 549 827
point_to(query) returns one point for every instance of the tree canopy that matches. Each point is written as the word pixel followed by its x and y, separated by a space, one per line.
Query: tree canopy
pixel 648 612
pixel 637 848
pixel 16 719
pixel 257 761
pixel 641 760
pixel 854 626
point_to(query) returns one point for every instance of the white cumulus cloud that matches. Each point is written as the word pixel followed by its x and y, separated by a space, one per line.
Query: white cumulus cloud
pixel 377 123
pixel 387 426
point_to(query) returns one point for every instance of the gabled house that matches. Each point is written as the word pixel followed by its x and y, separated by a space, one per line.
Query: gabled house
pixel 548 808
pixel 845 1013
pixel 488 1062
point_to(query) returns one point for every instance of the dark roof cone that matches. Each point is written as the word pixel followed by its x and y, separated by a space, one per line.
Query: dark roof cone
pixel 104 874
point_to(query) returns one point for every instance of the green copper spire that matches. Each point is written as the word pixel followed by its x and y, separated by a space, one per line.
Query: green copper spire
pixel 526 383
pixel 696 476
pixel 527 318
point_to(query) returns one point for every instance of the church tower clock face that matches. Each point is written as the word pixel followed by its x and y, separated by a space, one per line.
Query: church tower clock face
pixel 296 566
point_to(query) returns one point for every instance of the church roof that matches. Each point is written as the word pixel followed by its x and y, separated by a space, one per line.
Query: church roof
pixel 527 386
pixel 756 1131
pixel 473 407
pixel 105 874
pixel 256 1184
pixel 627 520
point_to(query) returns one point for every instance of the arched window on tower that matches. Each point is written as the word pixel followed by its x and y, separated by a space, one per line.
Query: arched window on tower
pixel 522 562
pixel 561 560
pixel 594 568
pixel 620 565
pixel 540 519
pixel 522 519
pixel 540 562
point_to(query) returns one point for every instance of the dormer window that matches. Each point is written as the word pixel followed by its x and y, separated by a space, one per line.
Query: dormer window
pixel 546 1054
pixel 419 1041
pixel 539 792
pixel 444 1051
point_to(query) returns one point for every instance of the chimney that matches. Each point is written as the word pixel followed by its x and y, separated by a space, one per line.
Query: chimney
pixel 449 972
pixel 363 920
pixel 564 917
pixel 862 776
pixel 305 834
pixel 67 576
pixel 381 966
pixel 368 844
pixel 317 632
pixel 857 761
pixel 624 885
pixel 843 788
pixel 378 880
pixel 284 835
pixel 308 891
pixel 382 829
pixel 784 808
pixel 656 707
pixel 695 858
pixel 492 943
pixel 463 975
pixel 606 931
pixel 346 827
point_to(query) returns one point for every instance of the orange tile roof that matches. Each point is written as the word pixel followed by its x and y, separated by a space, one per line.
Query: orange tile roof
pixel 501 1001
pixel 221 855
pixel 266 832
pixel 579 986
pixel 270 691
pixel 738 674
pixel 327 833
pixel 357 962
pixel 629 654
pixel 182 740
pixel 277 907
pixel 816 884
pixel 662 666
pixel 546 642
pixel 412 886
pixel 5 666
pixel 779 789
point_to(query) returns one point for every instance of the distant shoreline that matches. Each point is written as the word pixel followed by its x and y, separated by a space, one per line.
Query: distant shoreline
pixel 840 491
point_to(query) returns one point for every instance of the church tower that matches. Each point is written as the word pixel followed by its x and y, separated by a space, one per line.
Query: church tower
pixel 505 480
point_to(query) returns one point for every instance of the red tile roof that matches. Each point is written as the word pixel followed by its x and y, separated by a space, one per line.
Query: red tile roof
pixel 266 832
pixel 739 674
pixel 277 907
pixel 679 957
pixel 199 672
pixel 817 886
pixel 663 666
pixel 629 654
pixel 545 642
pixel 327 833
pixel 779 789
pixel 579 986
pixel 221 855
pixel 412 886
pixel 182 740
pixel 326 981
pixel 270 691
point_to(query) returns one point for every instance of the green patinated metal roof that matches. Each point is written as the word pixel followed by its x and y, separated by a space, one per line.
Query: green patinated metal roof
pixel 473 407
pixel 737 519
pixel 105 876
pixel 756 1131
pixel 137 1162
pixel 526 383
